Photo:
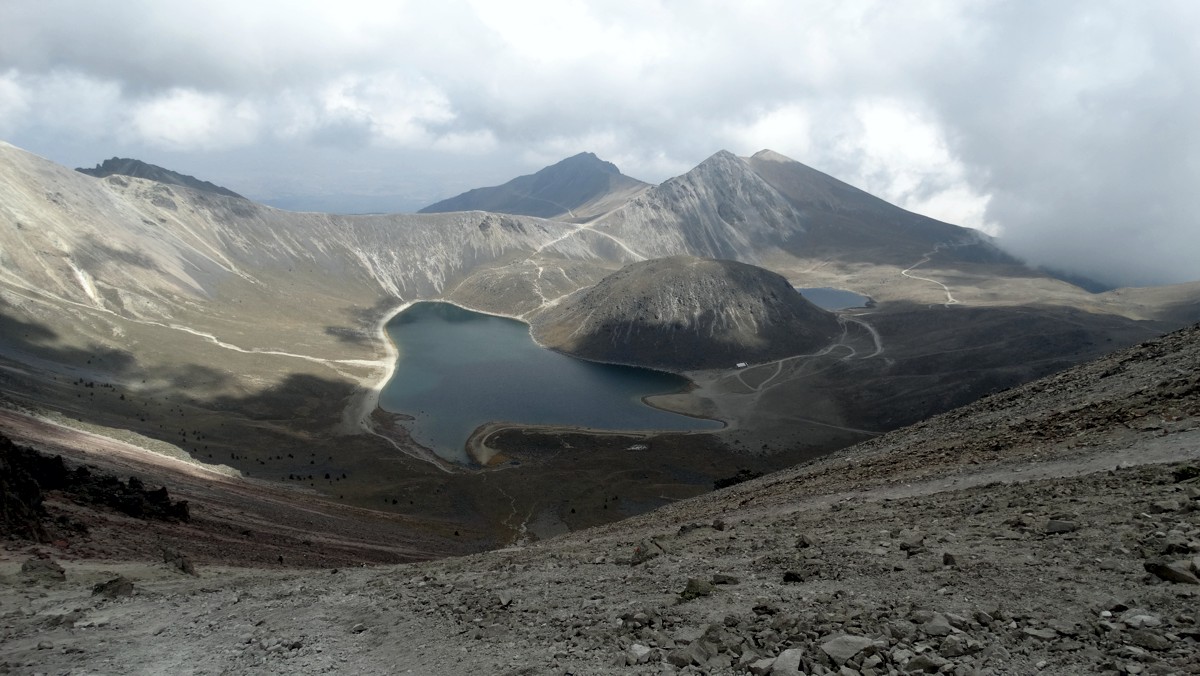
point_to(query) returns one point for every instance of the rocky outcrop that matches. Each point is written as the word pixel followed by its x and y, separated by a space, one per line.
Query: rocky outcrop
pixel 26 475
pixel 687 313
pixel 124 166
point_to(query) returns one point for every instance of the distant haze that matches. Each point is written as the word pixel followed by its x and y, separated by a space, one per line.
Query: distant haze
pixel 1067 128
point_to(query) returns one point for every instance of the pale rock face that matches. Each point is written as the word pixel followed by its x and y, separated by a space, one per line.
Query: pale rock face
pixel 720 209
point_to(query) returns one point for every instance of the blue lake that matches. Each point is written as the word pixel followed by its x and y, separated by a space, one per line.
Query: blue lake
pixel 459 369
pixel 828 298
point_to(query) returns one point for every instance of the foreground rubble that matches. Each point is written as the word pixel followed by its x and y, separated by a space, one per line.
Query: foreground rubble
pixel 1052 529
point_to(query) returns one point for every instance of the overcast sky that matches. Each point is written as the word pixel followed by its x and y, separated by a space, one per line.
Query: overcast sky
pixel 1071 130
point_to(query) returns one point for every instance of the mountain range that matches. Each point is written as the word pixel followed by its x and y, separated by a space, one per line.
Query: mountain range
pixel 248 340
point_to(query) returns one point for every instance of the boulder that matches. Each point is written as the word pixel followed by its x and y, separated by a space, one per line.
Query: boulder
pixel 1173 571
pixel 118 586
pixel 843 648
pixel 638 654
pixel 43 569
pixel 1060 526
pixel 788 662
pixel 696 588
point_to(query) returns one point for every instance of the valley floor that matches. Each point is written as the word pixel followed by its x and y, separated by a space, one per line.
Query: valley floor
pixel 1052 528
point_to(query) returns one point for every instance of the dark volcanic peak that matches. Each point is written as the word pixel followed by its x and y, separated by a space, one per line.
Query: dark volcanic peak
pixel 841 219
pixel 687 313
pixel 557 190
pixel 125 166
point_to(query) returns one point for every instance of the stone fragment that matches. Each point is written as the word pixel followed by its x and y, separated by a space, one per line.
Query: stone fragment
pixel 949 559
pixel 1173 571
pixel 921 616
pixel 762 667
pixel 1164 506
pixel 911 541
pixel 1140 619
pixel 1150 640
pixel 178 561
pixel 1060 526
pixel 957 621
pixel 805 541
pixel 788 662
pixel 723 578
pixel 842 648
pixel 118 586
pixel 692 653
pixel 925 663
pixel 953 646
pixel 901 629
pixel 1114 605
pixel 793 577
pixel 938 625
pixel 1186 473
pixel 43 569
pixel 643 552
pixel 690 634
pixel 638 654
pixel 695 589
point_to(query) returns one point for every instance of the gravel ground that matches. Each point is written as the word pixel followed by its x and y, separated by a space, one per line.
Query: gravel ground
pixel 1053 528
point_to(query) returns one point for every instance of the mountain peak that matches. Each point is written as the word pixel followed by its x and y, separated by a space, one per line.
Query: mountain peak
pixel 126 166
pixel 584 159
pixel 768 155
pixel 561 189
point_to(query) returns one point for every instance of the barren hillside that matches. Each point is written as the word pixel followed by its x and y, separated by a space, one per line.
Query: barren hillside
pixel 1051 528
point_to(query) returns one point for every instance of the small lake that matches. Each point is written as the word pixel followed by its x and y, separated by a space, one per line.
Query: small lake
pixel 828 298
pixel 459 369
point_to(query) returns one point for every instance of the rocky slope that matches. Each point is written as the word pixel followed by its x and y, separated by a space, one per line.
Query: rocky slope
pixel 124 166
pixel 720 209
pixel 839 217
pixel 687 313
pixel 577 187
pixel 1051 528
pixel 251 338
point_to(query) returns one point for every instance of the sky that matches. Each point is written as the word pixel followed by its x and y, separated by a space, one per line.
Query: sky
pixel 1070 130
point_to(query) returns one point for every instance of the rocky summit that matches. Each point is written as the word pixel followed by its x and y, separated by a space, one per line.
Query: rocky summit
pixel 688 313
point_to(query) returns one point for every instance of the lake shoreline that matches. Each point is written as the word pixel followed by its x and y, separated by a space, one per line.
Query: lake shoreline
pixel 593 395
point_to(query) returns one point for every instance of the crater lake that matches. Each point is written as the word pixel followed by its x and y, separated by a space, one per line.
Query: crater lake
pixel 458 369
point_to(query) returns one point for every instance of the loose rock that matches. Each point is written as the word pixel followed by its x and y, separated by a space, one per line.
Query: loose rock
pixel 842 648
pixel 1173 571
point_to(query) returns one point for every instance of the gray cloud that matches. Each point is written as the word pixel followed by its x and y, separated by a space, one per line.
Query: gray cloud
pixel 1067 127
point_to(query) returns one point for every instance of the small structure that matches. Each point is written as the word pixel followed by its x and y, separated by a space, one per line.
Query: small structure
pixel 742 364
